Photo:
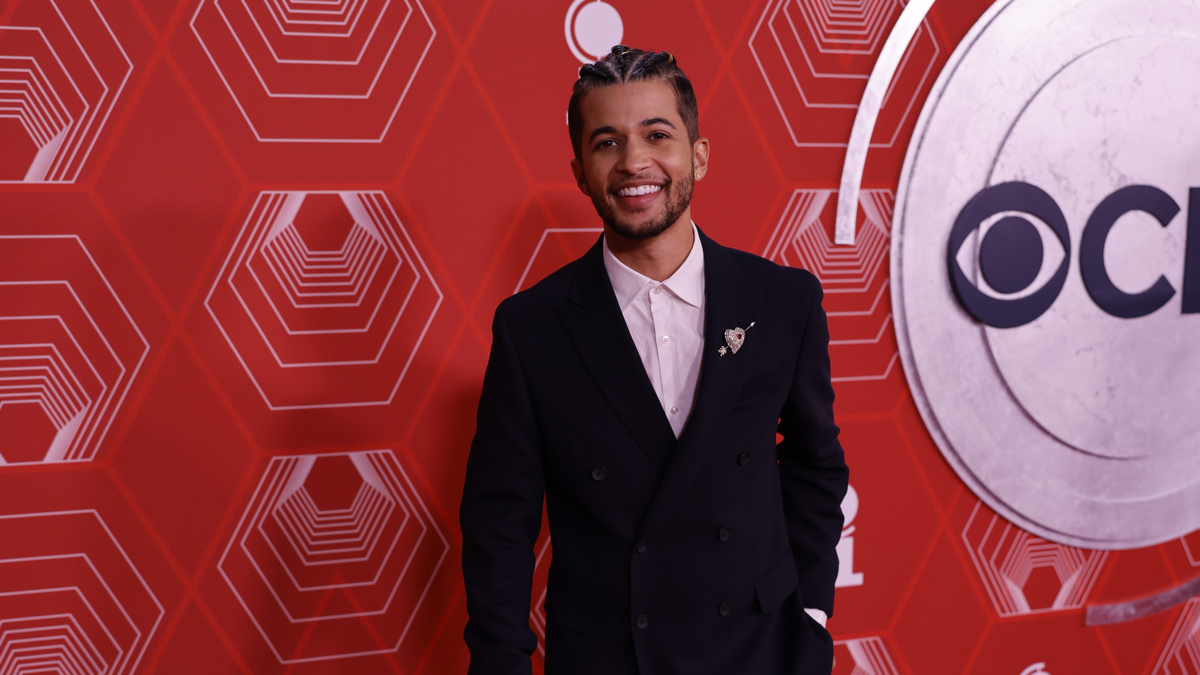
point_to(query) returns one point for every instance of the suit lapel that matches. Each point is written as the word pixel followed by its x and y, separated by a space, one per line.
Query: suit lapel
pixel 731 300
pixel 593 319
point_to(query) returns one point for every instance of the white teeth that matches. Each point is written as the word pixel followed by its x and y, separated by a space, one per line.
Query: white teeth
pixel 639 190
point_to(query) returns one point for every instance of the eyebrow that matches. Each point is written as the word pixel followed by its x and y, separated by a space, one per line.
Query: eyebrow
pixel 648 122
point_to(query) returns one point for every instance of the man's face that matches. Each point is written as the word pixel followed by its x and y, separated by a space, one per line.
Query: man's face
pixel 636 162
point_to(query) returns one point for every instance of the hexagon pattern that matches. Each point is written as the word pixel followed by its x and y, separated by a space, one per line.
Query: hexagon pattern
pixel 371 538
pixel 816 57
pixel 1008 558
pixel 863 656
pixel 316 71
pixel 285 415
pixel 71 604
pixel 855 278
pixel 324 288
pixel 1181 656
pixel 69 351
pixel 61 71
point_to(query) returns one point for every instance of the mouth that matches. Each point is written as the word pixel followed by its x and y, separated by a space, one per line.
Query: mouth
pixel 639 190
pixel 638 196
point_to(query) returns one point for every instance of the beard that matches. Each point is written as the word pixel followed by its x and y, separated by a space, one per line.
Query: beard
pixel 677 198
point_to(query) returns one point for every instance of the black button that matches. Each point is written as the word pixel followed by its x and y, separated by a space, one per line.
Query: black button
pixel 725 609
pixel 599 473
pixel 743 458
pixel 643 621
pixel 723 535
pixel 641 547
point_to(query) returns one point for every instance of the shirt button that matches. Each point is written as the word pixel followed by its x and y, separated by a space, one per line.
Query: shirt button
pixel 641 547
pixel 599 473
pixel 725 609
pixel 723 535
pixel 743 458
pixel 657 290
pixel 643 621
pixel 666 339
pixel 674 410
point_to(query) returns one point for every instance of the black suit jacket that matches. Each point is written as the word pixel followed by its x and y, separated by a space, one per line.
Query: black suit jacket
pixel 687 556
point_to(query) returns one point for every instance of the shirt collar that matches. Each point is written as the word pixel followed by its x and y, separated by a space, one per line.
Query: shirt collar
pixel 687 283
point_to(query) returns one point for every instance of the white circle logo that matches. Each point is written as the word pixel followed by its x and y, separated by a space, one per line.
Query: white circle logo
pixel 1046 267
pixel 593 28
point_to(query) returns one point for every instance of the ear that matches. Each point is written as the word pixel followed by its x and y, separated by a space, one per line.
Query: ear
pixel 580 177
pixel 700 157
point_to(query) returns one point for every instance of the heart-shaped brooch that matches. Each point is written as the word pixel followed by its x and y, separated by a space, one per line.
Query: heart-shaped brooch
pixel 734 337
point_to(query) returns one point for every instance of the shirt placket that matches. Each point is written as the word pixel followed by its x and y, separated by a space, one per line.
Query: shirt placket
pixel 666 347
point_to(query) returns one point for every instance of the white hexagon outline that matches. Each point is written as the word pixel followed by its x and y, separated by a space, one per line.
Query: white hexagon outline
pixel 408 251
pixel 848 105
pixel 1082 566
pixel 132 655
pixel 269 139
pixel 76 132
pixel 67 442
pixel 864 257
pixel 287 471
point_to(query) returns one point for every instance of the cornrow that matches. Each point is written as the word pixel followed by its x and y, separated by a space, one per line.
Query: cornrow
pixel 624 64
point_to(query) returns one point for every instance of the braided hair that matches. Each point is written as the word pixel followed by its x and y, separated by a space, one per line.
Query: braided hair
pixel 624 64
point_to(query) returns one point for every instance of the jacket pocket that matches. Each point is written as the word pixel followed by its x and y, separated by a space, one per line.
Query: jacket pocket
pixel 571 611
pixel 778 582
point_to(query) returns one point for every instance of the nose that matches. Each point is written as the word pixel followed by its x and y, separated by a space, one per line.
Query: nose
pixel 634 159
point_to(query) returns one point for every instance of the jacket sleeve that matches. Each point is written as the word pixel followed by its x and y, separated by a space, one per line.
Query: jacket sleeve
pixel 812 467
pixel 501 515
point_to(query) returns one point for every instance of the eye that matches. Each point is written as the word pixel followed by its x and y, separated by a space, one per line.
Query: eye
pixel 1008 254
pixel 658 135
pixel 605 143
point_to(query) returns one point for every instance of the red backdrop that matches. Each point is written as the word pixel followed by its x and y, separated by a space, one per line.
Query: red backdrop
pixel 250 253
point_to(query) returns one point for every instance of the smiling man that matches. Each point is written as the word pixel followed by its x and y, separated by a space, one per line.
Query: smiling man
pixel 639 391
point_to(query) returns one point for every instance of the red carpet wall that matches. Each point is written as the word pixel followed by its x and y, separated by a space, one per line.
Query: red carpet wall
pixel 250 251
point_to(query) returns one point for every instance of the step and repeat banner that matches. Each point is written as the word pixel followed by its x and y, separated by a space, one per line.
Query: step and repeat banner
pixel 250 251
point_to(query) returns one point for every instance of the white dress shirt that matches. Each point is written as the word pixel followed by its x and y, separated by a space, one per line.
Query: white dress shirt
pixel 666 321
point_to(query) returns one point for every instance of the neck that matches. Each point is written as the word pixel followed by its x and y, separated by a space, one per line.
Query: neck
pixel 657 257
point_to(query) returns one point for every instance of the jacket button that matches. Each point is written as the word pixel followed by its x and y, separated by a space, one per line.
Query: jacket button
pixel 743 458
pixel 725 609
pixel 599 473
pixel 641 547
pixel 723 535
pixel 643 621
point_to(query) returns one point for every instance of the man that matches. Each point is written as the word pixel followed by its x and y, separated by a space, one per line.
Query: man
pixel 639 390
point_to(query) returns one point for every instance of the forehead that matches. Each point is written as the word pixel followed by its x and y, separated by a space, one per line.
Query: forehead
pixel 626 105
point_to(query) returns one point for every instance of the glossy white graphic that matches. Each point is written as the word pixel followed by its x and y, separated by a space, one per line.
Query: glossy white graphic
pixel 854 278
pixel 804 51
pixel 324 299
pixel 71 600
pixel 867 115
pixel 1005 556
pixel 1076 425
pixel 69 351
pixel 593 27
pixel 304 71
pixel 1036 669
pixel 292 552
pixel 845 547
pixel 869 656
pixel 61 71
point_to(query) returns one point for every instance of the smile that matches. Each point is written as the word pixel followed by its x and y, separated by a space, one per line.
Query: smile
pixel 639 190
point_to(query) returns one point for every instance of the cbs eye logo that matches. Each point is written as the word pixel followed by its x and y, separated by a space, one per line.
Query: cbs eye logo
pixel 1011 254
